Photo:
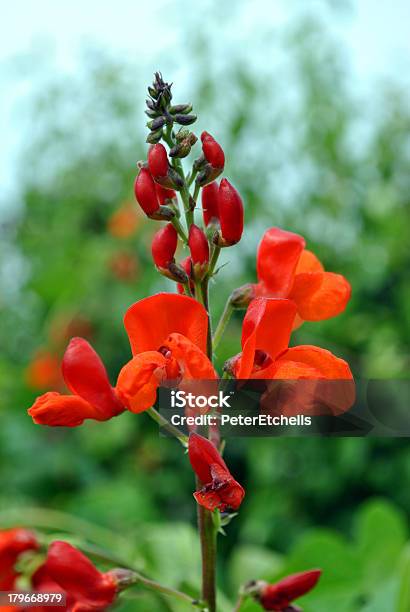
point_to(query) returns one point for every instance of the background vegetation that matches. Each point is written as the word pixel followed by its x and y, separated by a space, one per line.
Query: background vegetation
pixel 310 156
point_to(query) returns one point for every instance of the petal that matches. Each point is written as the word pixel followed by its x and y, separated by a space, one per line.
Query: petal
pixel 75 573
pixel 193 362
pixel 308 262
pixel 314 359
pixel 139 379
pixel 151 320
pixel 222 493
pixel 202 455
pixel 59 410
pixel 278 256
pixel 320 295
pixel 86 376
pixel 266 327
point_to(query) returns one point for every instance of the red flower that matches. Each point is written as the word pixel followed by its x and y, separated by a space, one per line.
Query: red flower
pixel 219 490
pixel 280 595
pixel 13 542
pixel 212 151
pixel 86 377
pixel 265 355
pixel 44 371
pixel 210 205
pixel 164 245
pixel 124 222
pixel 287 270
pixel 168 334
pixel 158 161
pixel 79 578
pixel 199 247
pixel 145 192
pixel 230 213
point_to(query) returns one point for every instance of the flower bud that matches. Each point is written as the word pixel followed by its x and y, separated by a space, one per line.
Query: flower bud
pixel 199 247
pixel 145 193
pixel 230 215
pixel 158 161
pixel 279 596
pixel 185 119
pixel 154 137
pixel 164 245
pixel 241 297
pixel 213 151
pixel 183 109
pixel 210 202
pixel 156 123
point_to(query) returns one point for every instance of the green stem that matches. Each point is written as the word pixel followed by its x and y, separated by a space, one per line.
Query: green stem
pixel 196 192
pixel 205 301
pixel 240 601
pixel 160 588
pixel 164 424
pixel 222 323
pixel 214 259
pixel 207 534
pixel 180 230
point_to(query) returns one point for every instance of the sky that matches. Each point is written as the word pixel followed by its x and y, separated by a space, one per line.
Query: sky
pixel 375 34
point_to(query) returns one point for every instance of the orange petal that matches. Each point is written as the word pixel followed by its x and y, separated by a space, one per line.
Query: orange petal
pixel 151 320
pixel 278 255
pixel 193 362
pixel 320 295
pixel 266 327
pixel 139 379
pixel 59 410
pixel 308 262
pixel 307 361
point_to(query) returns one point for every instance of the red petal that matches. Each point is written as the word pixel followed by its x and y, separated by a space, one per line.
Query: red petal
pixel 202 455
pixel 139 379
pixel 194 363
pixel 266 327
pixel 86 376
pixel 75 573
pixel 151 320
pixel 278 256
pixel 317 362
pixel 280 595
pixel 308 262
pixel 58 410
pixel 320 295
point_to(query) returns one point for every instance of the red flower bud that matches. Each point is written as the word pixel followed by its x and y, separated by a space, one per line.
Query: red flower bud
pixel 198 245
pixel 230 213
pixel 210 207
pixel 220 490
pixel 158 160
pixel 164 194
pixel 13 542
pixel 164 245
pixel 145 192
pixel 212 151
pixel 280 595
pixel 76 575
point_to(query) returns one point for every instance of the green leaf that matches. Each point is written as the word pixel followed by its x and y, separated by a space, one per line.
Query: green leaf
pixel 404 591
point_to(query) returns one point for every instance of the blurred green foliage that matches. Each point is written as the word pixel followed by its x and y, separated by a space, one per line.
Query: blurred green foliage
pixel 308 156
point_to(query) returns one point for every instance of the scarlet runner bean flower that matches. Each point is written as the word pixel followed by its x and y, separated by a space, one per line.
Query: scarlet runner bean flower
pixel 230 208
pixel 199 247
pixel 212 151
pixel 164 245
pixel 168 336
pixel 93 397
pixel 13 542
pixel 266 331
pixel 158 162
pixel 282 594
pixel 164 195
pixel 124 222
pixel 89 588
pixel 287 270
pixel 220 490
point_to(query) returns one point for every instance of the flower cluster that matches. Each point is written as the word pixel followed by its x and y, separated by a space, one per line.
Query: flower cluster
pixel 170 333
